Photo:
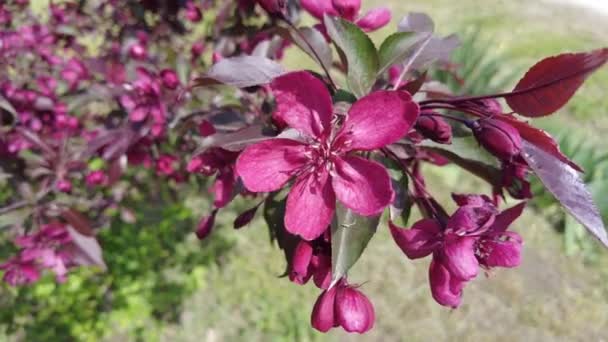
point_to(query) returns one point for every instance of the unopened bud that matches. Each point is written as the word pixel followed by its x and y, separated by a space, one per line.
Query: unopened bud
pixel 499 138
pixel 434 127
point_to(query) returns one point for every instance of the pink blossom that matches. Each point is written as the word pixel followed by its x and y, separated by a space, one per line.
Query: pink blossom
pixel 221 162
pixel 343 305
pixel 144 101
pixel 96 178
pixel 166 164
pixel 349 9
pixel 475 235
pixel 324 165
pixel 46 249
pixel 312 259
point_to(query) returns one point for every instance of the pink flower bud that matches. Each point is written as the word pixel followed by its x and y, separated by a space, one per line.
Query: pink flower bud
pixel 499 138
pixel 205 226
pixel 273 6
pixel 63 185
pixel 348 9
pixel 197 50
pixel 169 78
pixel 434 127
pixel 318 8
pixel 374 19
pixel 302 257
pixel 245 218
pixel 193 13
pixel 96 178
pixel 138 51
pixel 205 128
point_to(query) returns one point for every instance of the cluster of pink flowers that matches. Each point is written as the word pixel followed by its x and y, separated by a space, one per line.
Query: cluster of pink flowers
pixel 47 249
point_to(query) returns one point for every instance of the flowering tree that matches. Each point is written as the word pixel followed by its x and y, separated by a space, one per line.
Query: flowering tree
pixel 104 96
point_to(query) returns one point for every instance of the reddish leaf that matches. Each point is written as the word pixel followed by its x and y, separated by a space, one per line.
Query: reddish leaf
pixel 78 221
pixel 538 138
pixel 568 187
pixel 549 84
pixel 87 250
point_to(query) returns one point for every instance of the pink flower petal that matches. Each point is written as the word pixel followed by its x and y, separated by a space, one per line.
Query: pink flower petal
pixel 459 257
pixel 501 251
pixel 377 120
pixel 310 206
pixel 268 165
pixel 354 311
pixel 302 257
pixel 317 8
pixel 222 189
pixel 446 290
pixel 348 9
pixel 303 102
pixel 362 185
pixel 323 318
pixel 419 241
pixel 374 19
pixel 507 217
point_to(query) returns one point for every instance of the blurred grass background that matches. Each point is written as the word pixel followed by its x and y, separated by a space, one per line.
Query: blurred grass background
pixel 170 287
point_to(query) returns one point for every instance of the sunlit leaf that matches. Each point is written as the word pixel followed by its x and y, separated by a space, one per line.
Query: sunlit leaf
pixel 359 52
pixel 350 234
pixel 550 84
pixel 242 72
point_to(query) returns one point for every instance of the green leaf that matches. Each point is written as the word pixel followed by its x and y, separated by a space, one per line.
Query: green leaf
pixel 6 107
pixel 350 234
pixel 395 48
pixel 359 52
pixel 274 215
pixel 344 96
pixel 401 208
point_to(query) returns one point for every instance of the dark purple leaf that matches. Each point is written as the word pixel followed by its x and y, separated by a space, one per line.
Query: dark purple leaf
pixel 78 221
pixel 242 72
pixel 235 141
pixel 566 184
pixel 87 250
pixel 549 84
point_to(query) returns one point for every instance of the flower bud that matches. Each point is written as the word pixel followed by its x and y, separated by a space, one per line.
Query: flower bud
pixel 169 78
pixel 434 127
pixel 354 312
pixel 348 9
pixel 63 185
pixel 243 219
pixel 273 6
pixel 205 128
pixel 95 178
pixel 138 51
pixel 302 257
pixel 193 13
pixel 499 138
pixel 374 19
pixel 205 226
